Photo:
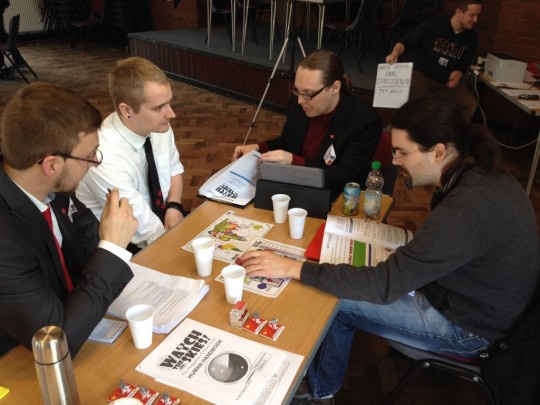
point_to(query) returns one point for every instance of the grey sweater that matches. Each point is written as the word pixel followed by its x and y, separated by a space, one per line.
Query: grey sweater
pixel 475 257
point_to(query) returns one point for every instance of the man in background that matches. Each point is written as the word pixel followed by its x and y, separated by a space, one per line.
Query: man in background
pixel 444 49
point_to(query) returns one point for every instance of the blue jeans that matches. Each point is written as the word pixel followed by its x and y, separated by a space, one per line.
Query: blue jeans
pixel 409 320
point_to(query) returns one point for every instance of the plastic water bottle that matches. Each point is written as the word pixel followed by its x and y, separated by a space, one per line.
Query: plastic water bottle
pixel 373 195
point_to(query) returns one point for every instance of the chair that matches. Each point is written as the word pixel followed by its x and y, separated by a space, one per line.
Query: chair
pixel 346 28
pixel 383 154
pixel 95 19
pixel 509 374
pixel 10 51
pixel 362 27
pixel 409 17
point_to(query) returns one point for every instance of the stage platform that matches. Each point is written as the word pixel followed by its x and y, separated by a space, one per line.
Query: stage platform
pixel 185 56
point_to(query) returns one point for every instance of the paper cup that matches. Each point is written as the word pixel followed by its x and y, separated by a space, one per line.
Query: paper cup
pixel 233 277
pixel 141 322
pixel 203 248
pixel 297 219
pixel 281 205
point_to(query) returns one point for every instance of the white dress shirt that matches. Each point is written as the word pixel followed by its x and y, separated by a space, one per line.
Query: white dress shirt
pixel 124 167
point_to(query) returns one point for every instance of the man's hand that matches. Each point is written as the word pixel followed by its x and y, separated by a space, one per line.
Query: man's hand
pixel 241 150
pixel 398 50
pixel 118 225
pixel 454 79
pixel 278 156
pixel 172 217
pixel 392 58
pixel 260 263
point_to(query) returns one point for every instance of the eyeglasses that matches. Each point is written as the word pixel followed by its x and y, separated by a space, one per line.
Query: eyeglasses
pixel 97 154
pixel 399 154
pixel 306 96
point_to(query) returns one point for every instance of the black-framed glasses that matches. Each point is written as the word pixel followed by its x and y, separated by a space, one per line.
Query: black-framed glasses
pixel 307 96
pixel 97 155
pixel 399 154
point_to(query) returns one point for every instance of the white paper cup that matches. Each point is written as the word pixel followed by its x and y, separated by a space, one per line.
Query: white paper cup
pixel 203 248
pixel 297 219
pixel 233 277
pixel 141 322
pixel 281 205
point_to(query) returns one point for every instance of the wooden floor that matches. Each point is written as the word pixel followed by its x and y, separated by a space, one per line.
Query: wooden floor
pixel 207 128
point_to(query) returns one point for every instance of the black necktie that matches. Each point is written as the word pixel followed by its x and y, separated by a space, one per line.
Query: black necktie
pixel 156 196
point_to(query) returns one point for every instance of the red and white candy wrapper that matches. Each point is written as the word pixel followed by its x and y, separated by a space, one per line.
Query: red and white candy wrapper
pixel 166 399
pixel 272 330
pixel 254 324
pixel 124 390
pixel 146 396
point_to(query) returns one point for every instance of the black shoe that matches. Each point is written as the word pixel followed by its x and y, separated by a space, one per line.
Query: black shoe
pixel 7 73
pixel 303 396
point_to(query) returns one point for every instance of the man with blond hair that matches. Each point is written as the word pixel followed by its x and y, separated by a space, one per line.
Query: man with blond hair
pixel 133 139
pixel 58 265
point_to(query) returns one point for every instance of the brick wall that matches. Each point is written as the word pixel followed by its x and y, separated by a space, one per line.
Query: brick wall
pixel 188 14
pixel 509 27
pixel 518 29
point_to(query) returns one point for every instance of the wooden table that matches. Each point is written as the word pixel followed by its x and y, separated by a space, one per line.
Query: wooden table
pixel 306 313
pixel 387 204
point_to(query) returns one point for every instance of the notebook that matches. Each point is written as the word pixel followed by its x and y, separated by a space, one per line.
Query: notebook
pixel 107 330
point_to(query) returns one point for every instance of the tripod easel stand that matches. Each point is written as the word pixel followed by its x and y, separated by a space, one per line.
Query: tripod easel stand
pixel 293 36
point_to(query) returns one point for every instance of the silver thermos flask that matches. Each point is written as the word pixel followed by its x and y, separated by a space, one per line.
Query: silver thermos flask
pixel 53 367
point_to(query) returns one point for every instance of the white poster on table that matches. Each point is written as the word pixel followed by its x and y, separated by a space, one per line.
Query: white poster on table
pixel 392 85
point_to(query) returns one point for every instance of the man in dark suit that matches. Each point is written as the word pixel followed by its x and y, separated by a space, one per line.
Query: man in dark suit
pixel 58 264
pixel 327 127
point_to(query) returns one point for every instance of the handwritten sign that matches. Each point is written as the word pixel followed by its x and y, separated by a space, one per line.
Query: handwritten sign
pixel 392 85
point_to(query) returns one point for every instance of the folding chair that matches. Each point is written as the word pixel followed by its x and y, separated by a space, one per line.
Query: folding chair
pixel 95 19
pixel 10 51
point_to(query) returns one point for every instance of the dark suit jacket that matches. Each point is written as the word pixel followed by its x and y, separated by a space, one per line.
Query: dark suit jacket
pixel 354 131
pixel 33 293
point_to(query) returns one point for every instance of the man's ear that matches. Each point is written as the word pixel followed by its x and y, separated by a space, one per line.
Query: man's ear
pixel 441 151
pixel 49 166
pixel 124 110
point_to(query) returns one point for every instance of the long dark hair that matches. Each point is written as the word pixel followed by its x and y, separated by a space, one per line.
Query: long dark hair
pixel 432 120
pixel 331 67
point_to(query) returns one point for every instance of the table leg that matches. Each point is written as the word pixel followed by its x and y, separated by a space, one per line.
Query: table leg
pixel 534 165
pixel 208 21
pixel 233 24
pixel 245 16
pixel 272 26
pixel 320 29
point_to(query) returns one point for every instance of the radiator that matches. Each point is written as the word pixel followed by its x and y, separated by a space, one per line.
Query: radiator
pixel 30 15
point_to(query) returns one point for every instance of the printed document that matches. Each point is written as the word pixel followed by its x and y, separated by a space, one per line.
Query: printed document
pixel 221 367
pixel 173 297
pixel 235 183
pixel 360 242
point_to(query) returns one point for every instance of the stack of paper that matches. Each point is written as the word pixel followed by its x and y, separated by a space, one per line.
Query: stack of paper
pixel 221 367
pixel 173 297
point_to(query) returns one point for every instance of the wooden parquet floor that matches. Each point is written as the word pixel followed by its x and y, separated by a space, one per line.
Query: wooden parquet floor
pixel 207 128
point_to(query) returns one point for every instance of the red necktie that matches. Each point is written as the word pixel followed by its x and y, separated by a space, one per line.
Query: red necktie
pixel 48 218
